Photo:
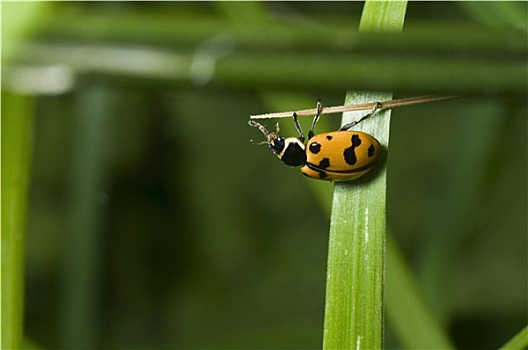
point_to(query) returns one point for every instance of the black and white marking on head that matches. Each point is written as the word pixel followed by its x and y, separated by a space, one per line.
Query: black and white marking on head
pixel 290 150
pixel 293 153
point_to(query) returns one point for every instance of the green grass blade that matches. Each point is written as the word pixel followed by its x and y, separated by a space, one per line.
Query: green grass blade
pixel 386 16
pixel 518 342
pixel 497 13
pixel 354 296
pixel 354 300
pixel 17 141
pixel 407 310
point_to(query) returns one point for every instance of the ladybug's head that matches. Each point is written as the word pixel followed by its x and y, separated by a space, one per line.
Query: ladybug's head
pixel 290 150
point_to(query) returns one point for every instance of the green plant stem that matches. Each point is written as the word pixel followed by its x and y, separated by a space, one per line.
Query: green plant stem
pixel 17 142
pixel 354 296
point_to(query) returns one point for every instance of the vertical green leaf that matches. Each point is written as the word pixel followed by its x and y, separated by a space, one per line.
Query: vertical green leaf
pixel 386 16
pixel 17 127
pixel 17 142
pixel 80 312
pixel 354 296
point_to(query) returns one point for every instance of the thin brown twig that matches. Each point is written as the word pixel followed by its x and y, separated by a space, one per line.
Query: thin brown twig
pixel 358 107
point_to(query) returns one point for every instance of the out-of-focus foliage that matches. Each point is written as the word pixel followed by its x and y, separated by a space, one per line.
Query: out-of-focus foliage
pixel 154 223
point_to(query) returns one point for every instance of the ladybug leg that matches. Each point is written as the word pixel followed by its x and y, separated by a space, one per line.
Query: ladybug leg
pixel 268 134
pixel 277 128
pixel 262 128
pixel 319 108
pixel 298 127
pixel 354 123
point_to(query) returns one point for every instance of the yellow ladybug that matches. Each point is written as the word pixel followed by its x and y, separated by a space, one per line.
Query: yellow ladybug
pixel 334 156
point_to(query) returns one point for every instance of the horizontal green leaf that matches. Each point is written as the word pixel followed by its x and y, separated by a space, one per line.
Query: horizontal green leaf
pixel 265 35
pixel 220 65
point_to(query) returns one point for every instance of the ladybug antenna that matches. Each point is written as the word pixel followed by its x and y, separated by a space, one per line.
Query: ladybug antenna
pixel 269 135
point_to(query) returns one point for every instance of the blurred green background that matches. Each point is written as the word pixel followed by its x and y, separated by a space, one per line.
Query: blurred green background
pixel 154 223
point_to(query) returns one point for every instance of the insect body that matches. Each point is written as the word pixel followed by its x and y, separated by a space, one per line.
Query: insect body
pixel 335 156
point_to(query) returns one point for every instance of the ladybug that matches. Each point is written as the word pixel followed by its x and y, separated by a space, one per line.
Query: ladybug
pixel 334 156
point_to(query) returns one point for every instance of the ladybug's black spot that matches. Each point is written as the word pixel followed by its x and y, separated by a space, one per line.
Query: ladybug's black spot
pixel 328 137
pixel 371 150
pixel 315 147
pixel 321 168
pixel 324 164
pixel 350 152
